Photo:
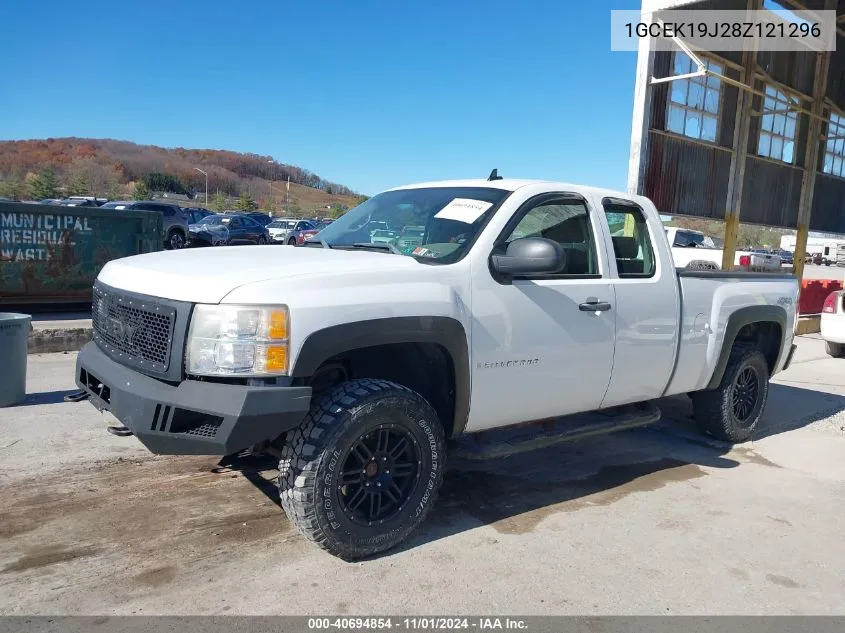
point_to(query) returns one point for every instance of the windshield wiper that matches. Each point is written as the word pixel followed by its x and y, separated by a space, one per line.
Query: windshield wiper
pixel 377 246
pixel 321 243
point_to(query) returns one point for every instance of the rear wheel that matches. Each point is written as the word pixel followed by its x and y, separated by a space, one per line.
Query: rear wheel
pixel 364 468
pixel 732 411
pixel 837 350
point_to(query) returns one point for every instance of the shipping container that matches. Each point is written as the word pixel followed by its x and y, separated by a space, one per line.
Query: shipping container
pixel 52 254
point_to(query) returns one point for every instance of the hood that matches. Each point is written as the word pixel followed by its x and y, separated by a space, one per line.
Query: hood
pixel 208 275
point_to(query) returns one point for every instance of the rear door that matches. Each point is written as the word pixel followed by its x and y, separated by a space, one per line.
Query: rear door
pixel 647 303
pixel 543 345
pixel 237 234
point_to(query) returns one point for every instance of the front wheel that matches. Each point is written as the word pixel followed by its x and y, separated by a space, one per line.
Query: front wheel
pixel 261 241
pixel 292 241
pixel 175 241
pixel 363 469
pixel 732 411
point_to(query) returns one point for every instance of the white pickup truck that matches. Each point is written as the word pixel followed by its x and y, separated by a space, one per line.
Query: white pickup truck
pixel 694 249
pixel 357 362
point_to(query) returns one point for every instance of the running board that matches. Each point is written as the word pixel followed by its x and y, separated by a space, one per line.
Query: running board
pixel 531 436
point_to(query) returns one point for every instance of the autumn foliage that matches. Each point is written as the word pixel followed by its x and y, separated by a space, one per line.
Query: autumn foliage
pixel 232 173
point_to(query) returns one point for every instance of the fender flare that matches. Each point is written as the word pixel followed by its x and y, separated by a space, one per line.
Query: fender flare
pixel 737 321
pixel 448 332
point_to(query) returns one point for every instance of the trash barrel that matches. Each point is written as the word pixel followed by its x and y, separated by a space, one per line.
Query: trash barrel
pixel 14 334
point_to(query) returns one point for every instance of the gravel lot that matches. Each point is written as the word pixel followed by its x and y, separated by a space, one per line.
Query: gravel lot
pixel 653 521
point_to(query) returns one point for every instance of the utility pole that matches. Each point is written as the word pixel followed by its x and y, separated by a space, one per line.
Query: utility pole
pixel 206 184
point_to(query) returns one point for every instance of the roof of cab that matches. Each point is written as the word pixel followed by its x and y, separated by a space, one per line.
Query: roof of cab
pixel 512 184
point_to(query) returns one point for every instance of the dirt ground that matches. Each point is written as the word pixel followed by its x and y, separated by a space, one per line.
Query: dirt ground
pixel 657 520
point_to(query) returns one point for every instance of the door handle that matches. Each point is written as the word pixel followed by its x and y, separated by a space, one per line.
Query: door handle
pixel 594 306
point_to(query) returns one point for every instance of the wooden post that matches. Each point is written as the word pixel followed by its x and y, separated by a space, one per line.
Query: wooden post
pixel 740 142
pixel 811 157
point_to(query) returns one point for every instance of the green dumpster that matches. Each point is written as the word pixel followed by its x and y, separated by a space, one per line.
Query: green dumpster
pixel 14 333
pixel 52 254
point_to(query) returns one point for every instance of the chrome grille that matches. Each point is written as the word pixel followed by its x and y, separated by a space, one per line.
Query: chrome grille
pixel 139 332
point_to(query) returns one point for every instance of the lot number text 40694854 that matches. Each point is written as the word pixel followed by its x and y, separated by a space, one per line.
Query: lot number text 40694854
pixel 416 623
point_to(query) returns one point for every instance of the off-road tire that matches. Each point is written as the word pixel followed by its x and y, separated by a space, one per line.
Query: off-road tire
pixel 314 454
pixel 837 350
pixel 713 409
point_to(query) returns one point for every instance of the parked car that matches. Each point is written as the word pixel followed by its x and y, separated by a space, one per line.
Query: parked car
pixel 785 255
pixel 243 229
pixel 354 364
pixel 194 215
pixel 81 201
pixel 175 224
pixel 383 236
pixel 693 249
pixel 410 238
pixel 259 216
pixel 290 230
pixel 209 230
pixel 832 324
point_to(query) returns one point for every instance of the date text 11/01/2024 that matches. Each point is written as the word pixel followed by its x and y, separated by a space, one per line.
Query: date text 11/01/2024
pixel 416 623
pixel 724 29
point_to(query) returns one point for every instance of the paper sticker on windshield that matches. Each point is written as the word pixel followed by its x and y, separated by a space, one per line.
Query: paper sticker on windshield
pixel 463 210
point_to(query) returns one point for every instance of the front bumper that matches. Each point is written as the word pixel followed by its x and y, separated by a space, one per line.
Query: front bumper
pixel 193 417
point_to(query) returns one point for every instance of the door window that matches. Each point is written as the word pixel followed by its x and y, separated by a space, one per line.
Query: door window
pixel 567 222
pixel 631 243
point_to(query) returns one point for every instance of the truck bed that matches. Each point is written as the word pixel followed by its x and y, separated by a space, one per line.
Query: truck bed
pixel 706 305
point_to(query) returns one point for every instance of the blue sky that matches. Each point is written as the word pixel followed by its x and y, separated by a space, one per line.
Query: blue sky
pixel 369 93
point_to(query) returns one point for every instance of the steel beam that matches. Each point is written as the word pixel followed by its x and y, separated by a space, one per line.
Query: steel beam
pixel 811 155
pixel 736 177
pixel 643 96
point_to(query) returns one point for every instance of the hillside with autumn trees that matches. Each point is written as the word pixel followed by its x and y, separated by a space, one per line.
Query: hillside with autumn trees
pixel 55 167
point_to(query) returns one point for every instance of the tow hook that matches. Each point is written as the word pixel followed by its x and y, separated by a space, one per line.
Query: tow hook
pixel 120 431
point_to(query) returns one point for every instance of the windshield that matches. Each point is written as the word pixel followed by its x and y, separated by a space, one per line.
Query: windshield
pixel 446 219
pixel 210 219
pixel 693 238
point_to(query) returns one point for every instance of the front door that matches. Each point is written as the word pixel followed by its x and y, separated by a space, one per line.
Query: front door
pixel 543 346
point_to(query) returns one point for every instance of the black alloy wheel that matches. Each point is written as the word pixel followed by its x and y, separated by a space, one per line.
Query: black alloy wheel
pixel 378 475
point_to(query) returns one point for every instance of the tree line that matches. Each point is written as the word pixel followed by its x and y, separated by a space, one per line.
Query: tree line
pixel 102 165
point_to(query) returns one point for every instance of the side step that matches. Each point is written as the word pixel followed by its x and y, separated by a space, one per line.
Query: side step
pixel 533 435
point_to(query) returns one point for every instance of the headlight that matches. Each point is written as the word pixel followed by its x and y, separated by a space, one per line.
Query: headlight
pixel 226 340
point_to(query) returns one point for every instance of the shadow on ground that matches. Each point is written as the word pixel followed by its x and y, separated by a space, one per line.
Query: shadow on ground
pixel 788 408
pixel 46 397
pixel 514 494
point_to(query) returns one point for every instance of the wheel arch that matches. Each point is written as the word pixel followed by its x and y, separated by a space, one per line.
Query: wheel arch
pixel 448 333
pixel 766 324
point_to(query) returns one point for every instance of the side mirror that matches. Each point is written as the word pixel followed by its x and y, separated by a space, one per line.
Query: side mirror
pixel 530 256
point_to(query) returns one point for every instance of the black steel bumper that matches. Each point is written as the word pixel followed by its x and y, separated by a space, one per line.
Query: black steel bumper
pixel 193 417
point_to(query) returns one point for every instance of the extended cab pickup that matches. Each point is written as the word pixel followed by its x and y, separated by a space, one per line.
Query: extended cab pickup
pixel 355 362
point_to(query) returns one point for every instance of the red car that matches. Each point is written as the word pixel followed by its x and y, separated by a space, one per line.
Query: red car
pixel 305 234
